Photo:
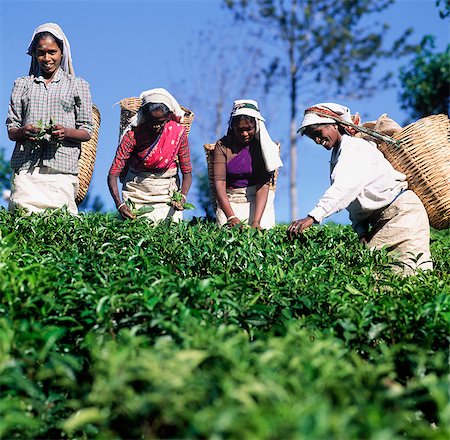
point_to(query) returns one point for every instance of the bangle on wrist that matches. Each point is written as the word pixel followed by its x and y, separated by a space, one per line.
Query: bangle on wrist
pixel 120 206
pixel 231 217
pixel 183 196
pixel 256 221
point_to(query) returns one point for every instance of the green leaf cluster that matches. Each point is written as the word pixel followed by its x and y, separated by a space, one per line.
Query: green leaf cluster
pixel 178 197
pixel 126 329
pixel 426 81
pixel 139 211
pixel 44 129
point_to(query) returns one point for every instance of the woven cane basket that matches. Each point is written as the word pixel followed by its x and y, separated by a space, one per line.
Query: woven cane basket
pixel 130 106
pixel 424 157
pixel 87 158
pixel 209 148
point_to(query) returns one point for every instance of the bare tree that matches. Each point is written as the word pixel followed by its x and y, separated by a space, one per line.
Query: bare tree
pixel 218 70
pixel 319 44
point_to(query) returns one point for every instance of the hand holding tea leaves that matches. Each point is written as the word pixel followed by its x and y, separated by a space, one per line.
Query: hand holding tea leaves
pixel 44 132
pixel 177 201
pixel 38 132
pixel 130 208
pixel 30 132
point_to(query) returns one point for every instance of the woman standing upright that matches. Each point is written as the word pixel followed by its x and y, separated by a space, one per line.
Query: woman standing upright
pixel 50 114
pixel 244 162
pixel 150 151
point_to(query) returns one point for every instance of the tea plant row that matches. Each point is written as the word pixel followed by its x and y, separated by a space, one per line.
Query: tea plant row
pixel 119 329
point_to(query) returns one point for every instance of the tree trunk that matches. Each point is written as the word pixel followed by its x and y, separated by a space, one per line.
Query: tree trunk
pixel 293 152
pixel 293 115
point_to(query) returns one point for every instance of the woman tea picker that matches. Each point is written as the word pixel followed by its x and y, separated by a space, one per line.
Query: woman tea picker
pixel 147 158
pixel 244 161
pixel 384 213
pixel 49 115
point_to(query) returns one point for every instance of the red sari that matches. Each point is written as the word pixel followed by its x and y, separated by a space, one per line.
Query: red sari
pixel 137 151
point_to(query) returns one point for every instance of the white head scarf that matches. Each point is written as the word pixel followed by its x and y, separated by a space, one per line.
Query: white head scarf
pixel 269 148
pixel 159 96
pixel 154 96
pixel 312 118
pixel 56 31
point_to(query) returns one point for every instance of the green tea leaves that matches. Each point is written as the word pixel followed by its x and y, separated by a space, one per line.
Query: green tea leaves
pixel 113 329
pixel 178 197
pixel 139 211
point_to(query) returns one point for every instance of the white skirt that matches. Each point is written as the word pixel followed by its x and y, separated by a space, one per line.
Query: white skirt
pixel 154 189
pixel 404 229
pixel 243 203
pixel 43 189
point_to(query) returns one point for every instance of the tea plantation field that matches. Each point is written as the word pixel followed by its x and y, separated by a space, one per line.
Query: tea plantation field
pixel 125 330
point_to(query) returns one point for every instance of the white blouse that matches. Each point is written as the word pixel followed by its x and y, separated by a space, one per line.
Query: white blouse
pixel 362 180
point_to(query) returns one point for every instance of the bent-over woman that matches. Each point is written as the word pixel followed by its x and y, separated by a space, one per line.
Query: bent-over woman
pixel 244 162
pixel 50 114
pixel 383 212
pixel 150 151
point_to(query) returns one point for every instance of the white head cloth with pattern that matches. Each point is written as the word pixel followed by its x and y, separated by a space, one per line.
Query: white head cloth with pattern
pixel 154 96
pixel 57 32
pixel 312 118
pixel 269 148
pixel 159 96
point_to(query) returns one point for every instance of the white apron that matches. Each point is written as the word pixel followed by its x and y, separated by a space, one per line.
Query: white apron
pixel 243 203
pixel 404 229
pixel 43 189
pixel 155 189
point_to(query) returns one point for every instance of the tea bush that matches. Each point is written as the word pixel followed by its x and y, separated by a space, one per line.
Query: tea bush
pixel 124 329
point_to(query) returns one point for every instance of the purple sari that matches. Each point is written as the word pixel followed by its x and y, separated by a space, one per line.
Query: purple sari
pixel 240 169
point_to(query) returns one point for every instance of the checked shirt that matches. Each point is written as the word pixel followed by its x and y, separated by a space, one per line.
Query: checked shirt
pixel 67 101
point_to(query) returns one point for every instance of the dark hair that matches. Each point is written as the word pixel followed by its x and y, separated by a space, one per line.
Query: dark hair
pixel 155 106
pixel 236 119
pixel 341 128
pixel 45 34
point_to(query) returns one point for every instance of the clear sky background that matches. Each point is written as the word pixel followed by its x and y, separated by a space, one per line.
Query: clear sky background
pixel 124 47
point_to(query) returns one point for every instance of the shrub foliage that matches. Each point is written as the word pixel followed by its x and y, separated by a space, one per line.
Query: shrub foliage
pixel 123 329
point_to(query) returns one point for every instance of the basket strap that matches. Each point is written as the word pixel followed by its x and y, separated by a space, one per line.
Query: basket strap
pixel 365 130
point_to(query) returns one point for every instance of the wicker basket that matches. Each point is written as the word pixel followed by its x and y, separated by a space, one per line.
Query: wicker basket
pixel 87 158
pixel 421 151
pixel 130 106
pixel 209 148
pixel 424 157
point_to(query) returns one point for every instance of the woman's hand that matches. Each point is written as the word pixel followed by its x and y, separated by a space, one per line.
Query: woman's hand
pixel 363 239
pixel 298 226
pixel 255 224
pixel 30 132
pixel 59 132
pixel 178 201
pixel 27 132
pixel 125 211
pixel 233 221
pixel 178 205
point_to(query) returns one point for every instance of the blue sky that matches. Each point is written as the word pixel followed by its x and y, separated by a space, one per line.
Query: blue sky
pixel 124 47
